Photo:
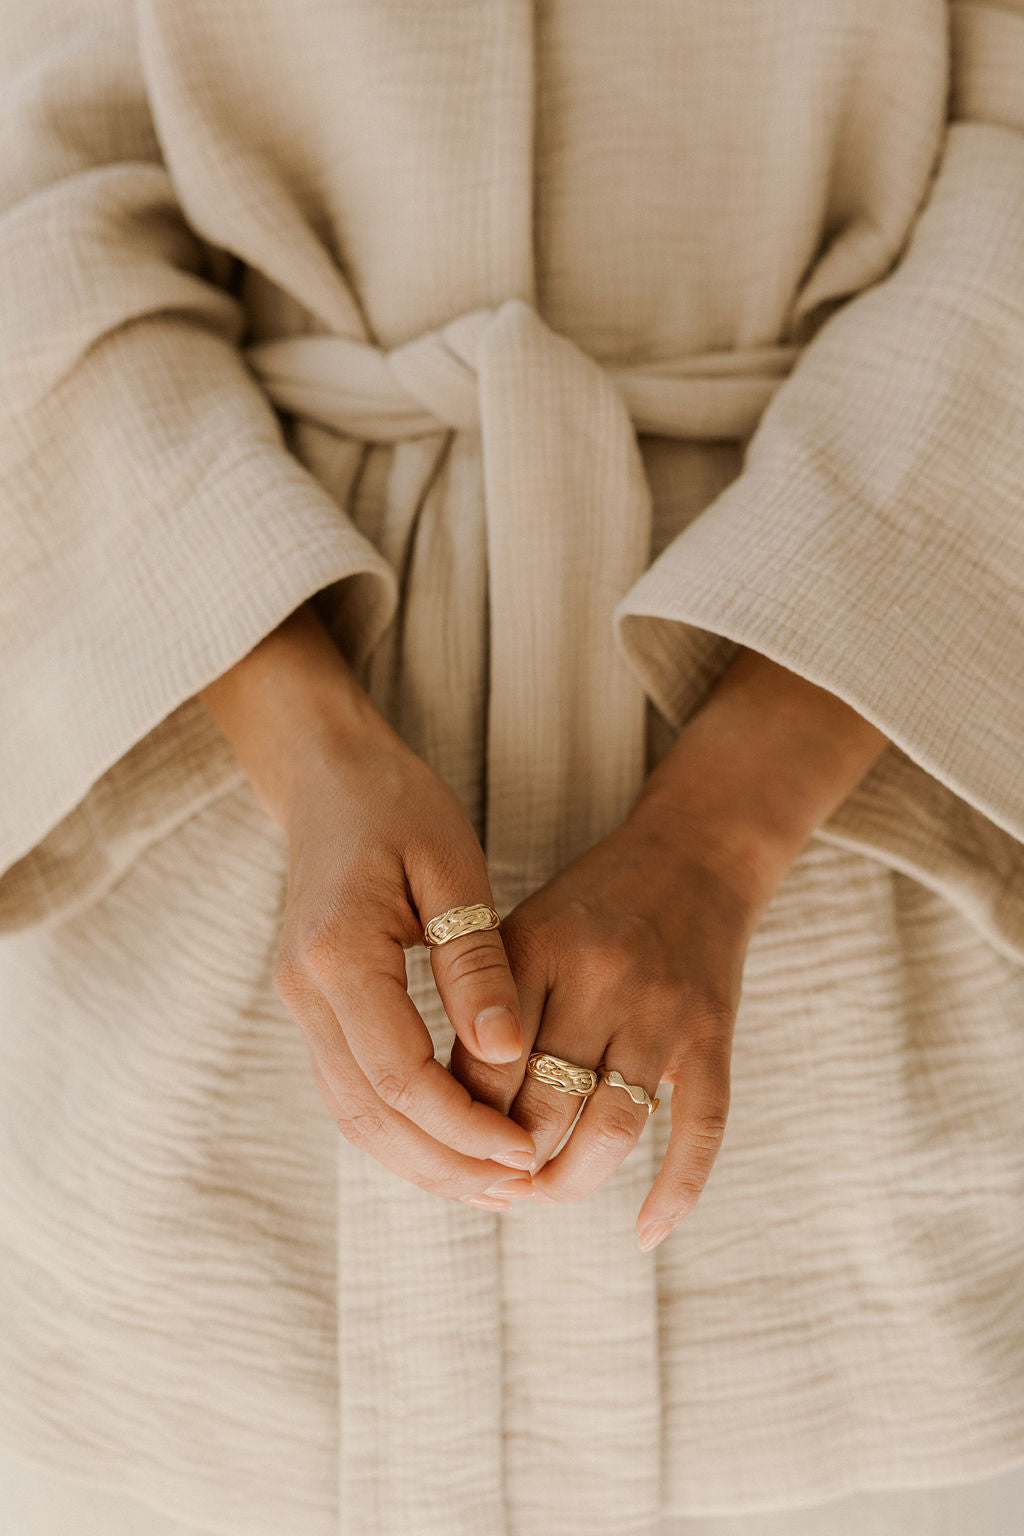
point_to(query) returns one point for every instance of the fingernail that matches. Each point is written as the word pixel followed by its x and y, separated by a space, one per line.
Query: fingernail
pixel 650 1237
pixel 515 1159
pixel 498 1035
pixel 486 1202
pixel 538 1194
pixel 505 1187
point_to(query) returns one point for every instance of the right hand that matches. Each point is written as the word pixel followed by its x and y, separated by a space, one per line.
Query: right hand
pixel 378 844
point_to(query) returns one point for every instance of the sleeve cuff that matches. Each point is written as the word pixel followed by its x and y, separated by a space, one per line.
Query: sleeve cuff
pixel 103 746
pixel 872 544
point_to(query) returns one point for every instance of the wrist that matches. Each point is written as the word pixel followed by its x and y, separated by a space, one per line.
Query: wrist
pixel 291 701
pixel 764 762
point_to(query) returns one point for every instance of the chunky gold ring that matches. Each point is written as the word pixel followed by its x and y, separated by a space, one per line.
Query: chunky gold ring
pixel 458 920
pixel 566 1076
pixel 638 1094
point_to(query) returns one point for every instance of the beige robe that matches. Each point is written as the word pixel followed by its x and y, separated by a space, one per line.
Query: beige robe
pixel 559 349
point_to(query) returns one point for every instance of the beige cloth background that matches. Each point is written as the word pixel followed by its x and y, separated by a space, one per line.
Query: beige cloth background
pixel 558 349
pixel 35 1502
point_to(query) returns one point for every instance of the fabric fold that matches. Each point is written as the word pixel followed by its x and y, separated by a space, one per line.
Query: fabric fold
pixel 156 524
pixel 910 397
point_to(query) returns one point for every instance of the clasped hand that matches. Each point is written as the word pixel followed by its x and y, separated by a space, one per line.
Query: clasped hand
pixel 631 954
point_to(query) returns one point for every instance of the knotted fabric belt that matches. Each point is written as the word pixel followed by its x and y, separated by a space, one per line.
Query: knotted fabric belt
pixel 568 528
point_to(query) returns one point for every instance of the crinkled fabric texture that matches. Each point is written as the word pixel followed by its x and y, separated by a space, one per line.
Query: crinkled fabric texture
pixel 555 350
pixel 37 1502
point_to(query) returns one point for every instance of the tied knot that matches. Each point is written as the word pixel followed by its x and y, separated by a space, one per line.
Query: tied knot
pixel 511 576
pixel 431 383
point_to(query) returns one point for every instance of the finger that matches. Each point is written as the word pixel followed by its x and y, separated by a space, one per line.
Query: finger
pixel 490 1198
pixel 544 1110
pixel 368 1123
pixel 700 1109
pixel 361 975
pixel 498 1085
pixel 608 1128
pixel 471 971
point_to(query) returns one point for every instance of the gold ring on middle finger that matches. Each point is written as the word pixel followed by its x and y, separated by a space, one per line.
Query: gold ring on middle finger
pixel 565 1076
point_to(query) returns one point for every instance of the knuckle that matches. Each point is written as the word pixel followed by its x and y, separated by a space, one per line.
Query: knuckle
pixel 663 995
pixel 486 1082
pixel 610 959
pixel 705 1134
pixel 445 1182
pixel 321 952
pixel 617 1129
pixel 626 959
pixel 705 1044
pixel 363 1127
pixel 337 939
pixel 290 978
pixel 448 1182
pixel 631 948
pixel 710 1016
pixel 316 937
pixel 476 958
pixel 396 1089
pixel 544 1121
pixel 686 1192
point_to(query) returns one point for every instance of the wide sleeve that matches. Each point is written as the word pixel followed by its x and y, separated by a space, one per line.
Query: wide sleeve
pixel 873 541
pixel 153 524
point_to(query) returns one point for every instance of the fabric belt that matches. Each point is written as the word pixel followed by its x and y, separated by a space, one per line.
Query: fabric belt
pixel 568 527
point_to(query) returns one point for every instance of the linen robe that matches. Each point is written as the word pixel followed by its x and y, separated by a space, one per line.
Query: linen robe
pixel 556 351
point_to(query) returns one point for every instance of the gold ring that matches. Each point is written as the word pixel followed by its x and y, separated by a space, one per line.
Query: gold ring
pixel 458 920
pixel 638 1094
pixel 566 1076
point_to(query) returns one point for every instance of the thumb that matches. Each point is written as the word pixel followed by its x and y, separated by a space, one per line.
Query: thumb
pixel 471 969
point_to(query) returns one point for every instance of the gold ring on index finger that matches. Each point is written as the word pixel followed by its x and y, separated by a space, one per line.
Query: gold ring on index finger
pixel 459 920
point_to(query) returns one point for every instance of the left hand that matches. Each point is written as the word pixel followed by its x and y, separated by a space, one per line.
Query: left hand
pixel 631 955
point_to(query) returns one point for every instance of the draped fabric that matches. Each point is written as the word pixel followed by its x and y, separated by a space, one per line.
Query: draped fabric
pixel 555 351
pixel 567 529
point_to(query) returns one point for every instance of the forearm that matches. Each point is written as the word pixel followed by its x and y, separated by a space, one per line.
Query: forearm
pixel 292 696
pixel 767 758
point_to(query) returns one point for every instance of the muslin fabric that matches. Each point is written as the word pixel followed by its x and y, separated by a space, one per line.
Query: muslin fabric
pixel 37 1502
pixel 556 351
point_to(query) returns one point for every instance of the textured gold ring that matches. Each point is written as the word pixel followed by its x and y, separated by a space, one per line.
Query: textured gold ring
pixel 638 1094
pixel 458 920
pixel 565 1076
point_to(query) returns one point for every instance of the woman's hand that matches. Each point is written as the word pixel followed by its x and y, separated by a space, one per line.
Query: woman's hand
pixel 377 845
pixel 632 955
